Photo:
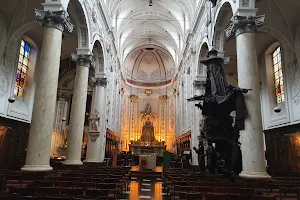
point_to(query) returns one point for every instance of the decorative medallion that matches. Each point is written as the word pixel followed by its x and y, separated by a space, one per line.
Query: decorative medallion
pixel 148 92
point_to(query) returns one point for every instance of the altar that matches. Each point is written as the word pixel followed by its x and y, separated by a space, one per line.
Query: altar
pixel 147 144
pixel 150 161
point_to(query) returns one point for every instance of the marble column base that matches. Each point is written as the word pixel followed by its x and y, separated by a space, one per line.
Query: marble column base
pixel 72 162
pixel 36 168
pixel 254 175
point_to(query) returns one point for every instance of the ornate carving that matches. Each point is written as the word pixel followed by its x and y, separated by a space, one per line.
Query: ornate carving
pixel 175 92
pixel 3 85
pixel 95 121
pixel 148 58
pixel 142 75
pixel 86 60
pixel 148 113
pixel 93 136
pixel 242 24
pixel 94 16
pixel 148 92
pixel 163 99
pixel 172 114
pixel 134 98
pixel 156 74
pixel 54 19
pixel 99 81
pixel 188 61
pixel 124 112
pixel 246 3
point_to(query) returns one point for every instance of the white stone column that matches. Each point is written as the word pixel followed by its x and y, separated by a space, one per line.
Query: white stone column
pixel 77 116
pixel 253 153
pixel 96 147
pixel 39 141
pixel 199 90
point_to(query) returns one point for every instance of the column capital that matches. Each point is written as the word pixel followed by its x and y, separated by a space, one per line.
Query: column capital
pixel 242 24
pixel 163 99
pixel 134 98
pixel 81 59
pixel 54 19
pixel 99 81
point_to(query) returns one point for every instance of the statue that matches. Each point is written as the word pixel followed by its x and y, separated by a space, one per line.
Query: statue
pixel 148 108
pixel 200 152
pixel 95 121
pixel 147 113
pixel 218 102
pixel 211 159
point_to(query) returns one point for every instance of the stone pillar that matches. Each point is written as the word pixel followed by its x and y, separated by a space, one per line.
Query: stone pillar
pixel 96 146
pixel 199 90
pixel 39 141
pixel 252 137
pixel 77 116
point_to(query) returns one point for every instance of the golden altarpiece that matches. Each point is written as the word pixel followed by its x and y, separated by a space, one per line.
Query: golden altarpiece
pixel 147 143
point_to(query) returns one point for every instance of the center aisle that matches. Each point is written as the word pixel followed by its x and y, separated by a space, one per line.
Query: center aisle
pixel 145 188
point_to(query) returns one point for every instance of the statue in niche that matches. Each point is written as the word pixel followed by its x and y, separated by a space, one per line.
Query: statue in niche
pixel 218 102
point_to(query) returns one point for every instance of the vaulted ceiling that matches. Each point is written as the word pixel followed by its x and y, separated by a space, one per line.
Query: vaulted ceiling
pixel 161 25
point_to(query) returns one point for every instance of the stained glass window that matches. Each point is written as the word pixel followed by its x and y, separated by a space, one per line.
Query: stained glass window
pixel 22 69
pixel 277 65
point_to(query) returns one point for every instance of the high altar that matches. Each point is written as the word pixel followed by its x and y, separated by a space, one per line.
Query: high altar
pixel 147 143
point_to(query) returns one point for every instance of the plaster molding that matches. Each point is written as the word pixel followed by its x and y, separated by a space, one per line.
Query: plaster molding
pixel 54 19
pixel 242 24
pixel 83 60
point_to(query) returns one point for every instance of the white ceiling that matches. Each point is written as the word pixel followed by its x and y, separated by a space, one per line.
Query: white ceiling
pixel 149 66
pixel 164 24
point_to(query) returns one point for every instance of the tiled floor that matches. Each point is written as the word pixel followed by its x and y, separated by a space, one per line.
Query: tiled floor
pixel 145 189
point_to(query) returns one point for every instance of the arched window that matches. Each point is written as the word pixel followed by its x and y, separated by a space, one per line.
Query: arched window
pixel 22 69
pixel 278 74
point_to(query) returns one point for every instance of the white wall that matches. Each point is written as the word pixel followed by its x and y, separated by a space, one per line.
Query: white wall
pixel 21 109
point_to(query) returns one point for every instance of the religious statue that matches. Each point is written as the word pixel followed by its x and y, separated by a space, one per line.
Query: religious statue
pixel 95 121
pixel 200 152
pixel 211 158
pixel 219 100
pixel 148 113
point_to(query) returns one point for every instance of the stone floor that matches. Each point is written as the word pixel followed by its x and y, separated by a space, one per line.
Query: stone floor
pixel 145 189
pixel 143 186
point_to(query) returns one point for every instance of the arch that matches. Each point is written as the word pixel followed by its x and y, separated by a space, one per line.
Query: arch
pixel 287 46
pixel 220 6
pixel 98 38
pixel 66 82
pixel 224 12
pixel 83 29
pixel 203 51
pixel 98 53
pixel 204 41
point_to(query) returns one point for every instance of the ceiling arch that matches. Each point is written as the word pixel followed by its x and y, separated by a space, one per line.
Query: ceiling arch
pixel 149 66
pixel 137 25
